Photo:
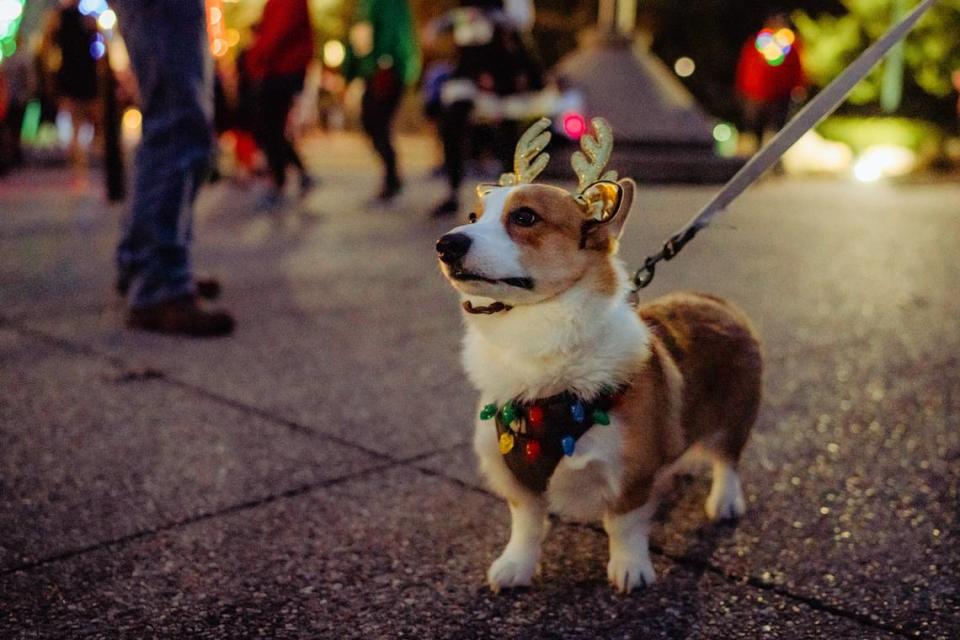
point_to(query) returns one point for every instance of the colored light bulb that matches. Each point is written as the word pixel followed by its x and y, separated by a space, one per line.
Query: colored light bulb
pixel 531 451
pixel 508 414
pixel 577 412
pixel 506 443
pixel 600 416
pixel 488 411
pixel 535 418
pixel 568 444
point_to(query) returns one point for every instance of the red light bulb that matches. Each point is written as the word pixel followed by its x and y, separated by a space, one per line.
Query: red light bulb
pixel 535 418
pixel 531 451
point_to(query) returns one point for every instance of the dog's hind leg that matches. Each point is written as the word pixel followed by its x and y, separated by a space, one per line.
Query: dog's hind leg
pixel 518 563
pixel 725 446
pixel 725 501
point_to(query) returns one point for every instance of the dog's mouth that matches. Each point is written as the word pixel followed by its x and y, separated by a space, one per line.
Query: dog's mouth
pixel 466 276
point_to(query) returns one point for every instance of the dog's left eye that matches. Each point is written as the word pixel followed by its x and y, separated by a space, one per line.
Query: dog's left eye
pixel 524 217
pixel 472 217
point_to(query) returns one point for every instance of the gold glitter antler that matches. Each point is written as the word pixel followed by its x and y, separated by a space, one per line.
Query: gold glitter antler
pixel 529 159
pixel 589 164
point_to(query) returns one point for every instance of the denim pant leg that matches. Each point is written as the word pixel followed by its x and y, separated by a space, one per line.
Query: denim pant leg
pixel 167 43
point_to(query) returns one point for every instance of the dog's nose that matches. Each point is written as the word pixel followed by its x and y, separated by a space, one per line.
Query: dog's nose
pixel 452 247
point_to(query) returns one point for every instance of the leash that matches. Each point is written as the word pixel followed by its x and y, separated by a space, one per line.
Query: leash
pixel 821 106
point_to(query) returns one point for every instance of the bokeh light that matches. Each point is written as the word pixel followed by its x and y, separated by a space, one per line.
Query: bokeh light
pixel 132 118
pixel 684 67
pixel 884 161
pixel 92 7
pixel 775 45
pixel 574 125
pixel 866 171
pixel 11 12
pixel 722 132
pixel 217 29
pixel 98 47
pixel 333 53
pixel 107 20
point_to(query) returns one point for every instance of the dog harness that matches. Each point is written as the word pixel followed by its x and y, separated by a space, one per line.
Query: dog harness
pixel 534 436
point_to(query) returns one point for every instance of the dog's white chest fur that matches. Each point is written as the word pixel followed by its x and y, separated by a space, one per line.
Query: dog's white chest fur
pixel 540 352
pixel 586 482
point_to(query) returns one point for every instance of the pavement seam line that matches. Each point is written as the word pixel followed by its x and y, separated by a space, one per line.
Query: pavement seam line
pixel 813 603
pixel 163 376
pixel 236 507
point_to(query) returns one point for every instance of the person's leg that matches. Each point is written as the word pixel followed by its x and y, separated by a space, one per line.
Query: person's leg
pixel 293 85
pixel 378 110
pixel 753 119
pixel 779 110
pixel 505 142
pixel 453 129
pixel 167 41
pixel 273 121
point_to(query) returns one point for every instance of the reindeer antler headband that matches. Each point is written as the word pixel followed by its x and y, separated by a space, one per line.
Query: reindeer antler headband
pixel 529 159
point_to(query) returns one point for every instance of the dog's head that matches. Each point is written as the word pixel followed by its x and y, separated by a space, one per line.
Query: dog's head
pixel 527 243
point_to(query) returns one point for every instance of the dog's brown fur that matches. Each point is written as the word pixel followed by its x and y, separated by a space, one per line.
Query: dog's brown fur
pixel 701 383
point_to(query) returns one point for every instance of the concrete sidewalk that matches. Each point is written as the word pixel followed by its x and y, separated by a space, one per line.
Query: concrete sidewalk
pixel 311 477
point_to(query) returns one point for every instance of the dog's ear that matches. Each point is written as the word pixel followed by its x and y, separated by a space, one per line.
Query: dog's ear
pixel 607 205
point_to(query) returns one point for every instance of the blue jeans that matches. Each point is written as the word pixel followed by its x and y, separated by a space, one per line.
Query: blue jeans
pixel 167 44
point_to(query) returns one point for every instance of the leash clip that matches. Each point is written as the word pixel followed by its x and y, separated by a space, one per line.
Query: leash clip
pixel 644 274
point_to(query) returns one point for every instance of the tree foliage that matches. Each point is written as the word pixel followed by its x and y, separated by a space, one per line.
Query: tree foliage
pixel 931 51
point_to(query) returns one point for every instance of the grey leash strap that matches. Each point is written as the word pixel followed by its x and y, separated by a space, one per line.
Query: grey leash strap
pixel 822 105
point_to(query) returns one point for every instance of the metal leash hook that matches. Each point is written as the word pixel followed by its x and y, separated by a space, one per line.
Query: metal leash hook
pixel 644 274
pixel 671 248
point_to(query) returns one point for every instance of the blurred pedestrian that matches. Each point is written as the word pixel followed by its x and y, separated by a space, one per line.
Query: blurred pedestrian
pixel 769 76
pixel 277 62
pixel 495 79
pixel 383 52
pixel 167 44
pixel 19 87
pixel 74 36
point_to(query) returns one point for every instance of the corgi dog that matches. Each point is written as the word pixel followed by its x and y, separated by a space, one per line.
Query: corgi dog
pixel 588 402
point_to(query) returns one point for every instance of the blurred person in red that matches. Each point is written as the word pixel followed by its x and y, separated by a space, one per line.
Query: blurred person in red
pixel 277 62
pixel 769 76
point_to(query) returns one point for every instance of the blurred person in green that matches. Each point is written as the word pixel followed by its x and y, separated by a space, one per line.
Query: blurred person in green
pixel 382 50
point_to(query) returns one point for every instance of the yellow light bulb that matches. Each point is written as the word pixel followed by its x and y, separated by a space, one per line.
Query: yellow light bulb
pixel 506 443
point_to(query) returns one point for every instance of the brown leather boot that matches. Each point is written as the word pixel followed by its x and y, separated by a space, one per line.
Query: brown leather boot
pixel 181 316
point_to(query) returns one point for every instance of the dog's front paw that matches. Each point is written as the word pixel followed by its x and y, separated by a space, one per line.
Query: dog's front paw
pixel 512 569
pixel 626 573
